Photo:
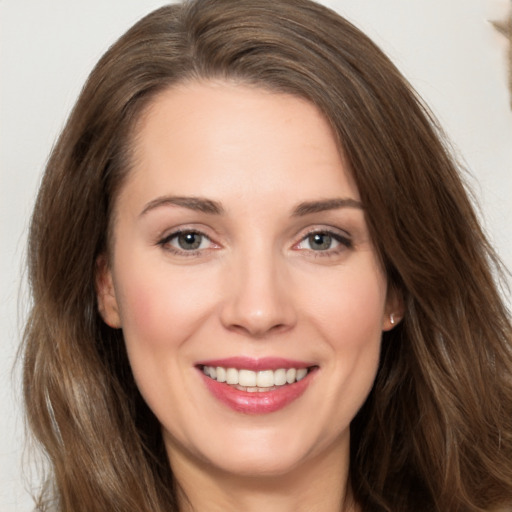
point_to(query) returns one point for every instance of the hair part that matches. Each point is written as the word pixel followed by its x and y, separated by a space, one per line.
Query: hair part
pixel 436 431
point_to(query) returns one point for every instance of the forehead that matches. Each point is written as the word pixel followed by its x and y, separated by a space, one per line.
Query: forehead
pixel 215 138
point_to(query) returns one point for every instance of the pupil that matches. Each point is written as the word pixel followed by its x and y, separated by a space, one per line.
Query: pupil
pixel 320 241
pixel 189 241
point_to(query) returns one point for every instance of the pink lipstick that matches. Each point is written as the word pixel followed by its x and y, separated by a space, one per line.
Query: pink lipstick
pixel 256 386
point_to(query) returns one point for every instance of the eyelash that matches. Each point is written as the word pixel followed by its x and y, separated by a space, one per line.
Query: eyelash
pixel 344 241
pixel 165 242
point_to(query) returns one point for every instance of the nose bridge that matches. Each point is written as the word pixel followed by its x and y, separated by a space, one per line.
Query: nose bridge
pixel 259 299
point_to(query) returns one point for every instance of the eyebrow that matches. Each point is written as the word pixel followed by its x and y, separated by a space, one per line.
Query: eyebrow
pixel 198 204
pixel 309 207
pixel 208 206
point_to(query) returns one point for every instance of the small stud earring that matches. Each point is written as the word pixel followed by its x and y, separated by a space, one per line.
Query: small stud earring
pixel 392 318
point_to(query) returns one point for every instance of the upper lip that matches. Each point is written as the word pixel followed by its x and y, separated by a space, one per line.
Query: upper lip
pixel 255 364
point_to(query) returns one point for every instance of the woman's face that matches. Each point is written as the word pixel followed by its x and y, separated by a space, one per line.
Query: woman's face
pixel 241 251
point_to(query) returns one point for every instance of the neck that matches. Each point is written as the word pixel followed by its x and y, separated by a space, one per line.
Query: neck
pixel 319 483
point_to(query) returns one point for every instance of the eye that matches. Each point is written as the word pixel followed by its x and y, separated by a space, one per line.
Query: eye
pixel 189 241
pixel 186 241
pixel 320 241
pixel 324 241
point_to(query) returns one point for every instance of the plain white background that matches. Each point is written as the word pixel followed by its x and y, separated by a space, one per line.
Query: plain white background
pixel 448 50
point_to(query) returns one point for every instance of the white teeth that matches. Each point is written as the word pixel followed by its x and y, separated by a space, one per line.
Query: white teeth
pixel 265 379
pixel 247 378
pixel 232 376
pixel 255 381
pixel 280 377
pixel 291 373
pixel 301 373
pixel 221 374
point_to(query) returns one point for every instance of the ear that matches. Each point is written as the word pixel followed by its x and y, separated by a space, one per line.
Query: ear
pixel 394 310
pixel 105 293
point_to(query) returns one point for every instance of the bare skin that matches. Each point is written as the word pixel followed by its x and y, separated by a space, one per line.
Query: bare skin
pixel 239 233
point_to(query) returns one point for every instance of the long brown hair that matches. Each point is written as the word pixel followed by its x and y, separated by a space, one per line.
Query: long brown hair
pixel 435 434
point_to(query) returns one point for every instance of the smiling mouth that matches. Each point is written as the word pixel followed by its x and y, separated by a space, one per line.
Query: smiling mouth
pixel 256 381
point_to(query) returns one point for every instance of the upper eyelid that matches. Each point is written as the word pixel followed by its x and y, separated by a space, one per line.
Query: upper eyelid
pixel 341 236
pixel 325 229
pixel 166 244
pixel 177 232
pixel 168 235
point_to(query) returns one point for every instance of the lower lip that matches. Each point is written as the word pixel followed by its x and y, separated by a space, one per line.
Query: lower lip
pixel 258 402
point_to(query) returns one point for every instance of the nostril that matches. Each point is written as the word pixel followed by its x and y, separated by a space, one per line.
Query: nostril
pixel 259 330
pixel 258 302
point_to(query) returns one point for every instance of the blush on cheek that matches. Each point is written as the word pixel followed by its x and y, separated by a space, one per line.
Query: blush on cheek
pixel 161 311
pixel 143 314
pixel 364 306
pixel 356 319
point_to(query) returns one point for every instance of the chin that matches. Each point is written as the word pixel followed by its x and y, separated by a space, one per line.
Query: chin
pixel 261 465
pixel 266 452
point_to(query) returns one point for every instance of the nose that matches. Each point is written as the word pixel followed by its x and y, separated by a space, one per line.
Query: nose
pixel 258 298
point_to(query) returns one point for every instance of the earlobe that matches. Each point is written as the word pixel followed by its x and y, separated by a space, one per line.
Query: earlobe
pixel 390 321
pixel 394 311
pixel 105 293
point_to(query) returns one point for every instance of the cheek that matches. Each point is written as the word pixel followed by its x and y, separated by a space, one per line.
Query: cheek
pixel 159 309
pixel 357 333
pixel 349 313
pixel 359 339
pixel 350 306
pixel 363 304
pixel 159 314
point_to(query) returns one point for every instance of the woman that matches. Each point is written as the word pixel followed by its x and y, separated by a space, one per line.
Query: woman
pixel 258 282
